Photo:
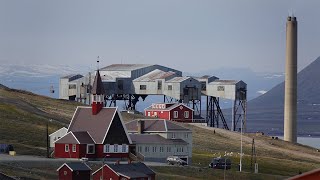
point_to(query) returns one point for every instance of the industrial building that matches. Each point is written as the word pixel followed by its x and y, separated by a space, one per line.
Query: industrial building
pixel 133 82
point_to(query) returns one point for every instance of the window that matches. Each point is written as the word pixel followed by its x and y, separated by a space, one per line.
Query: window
pixel 154 149
pixel 66 147
pixel 124 148
pixel 72 86
pixel 220 88
pixel 65 173
pixel 186 135
pixel 120 84
pixel 74 148
pixel 161 149
pixel 175 114
pixel 168 149
pixel 155 114
pixel 146 149
pixel 143 87
pixel 90 149
pixel 173 135
pixel 203 86
pixel 55 138
pixel 159 85
pixel 116 148
pixel 169 87
pixel 186 114
pixel 139 149
pixel 149 114
pixel 107 148
pixel 94 98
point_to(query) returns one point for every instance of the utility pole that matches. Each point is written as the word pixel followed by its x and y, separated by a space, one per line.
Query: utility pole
pixel 48 155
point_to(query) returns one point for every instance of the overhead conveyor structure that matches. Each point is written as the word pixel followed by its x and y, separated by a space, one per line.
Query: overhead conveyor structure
pixel 131 82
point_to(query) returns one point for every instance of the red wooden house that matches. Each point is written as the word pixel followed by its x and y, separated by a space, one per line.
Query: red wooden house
pixel 74 171
pixel 124 172
pixel 94 132
pixel 170 111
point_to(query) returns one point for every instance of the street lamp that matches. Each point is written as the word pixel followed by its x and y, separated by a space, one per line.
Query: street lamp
pixel 103 163
pixel 48 154
pixel 240 168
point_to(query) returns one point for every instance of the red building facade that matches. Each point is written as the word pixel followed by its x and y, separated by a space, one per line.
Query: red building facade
pixel 124 172
pixel 170 111
pixel 74 171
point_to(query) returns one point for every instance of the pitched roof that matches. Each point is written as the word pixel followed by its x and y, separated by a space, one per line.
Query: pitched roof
pixel 154 75
pixel 5 177
pixel 124 67
pixel 76 166
pixel 61 129
pixel 132 170
pixel 97 87
pixel 96 125
pixel 154 139
pixel 155 125
pixel 67 138
pixel 178 79
pixel 84 137
pixel 174 105
pixel 305 175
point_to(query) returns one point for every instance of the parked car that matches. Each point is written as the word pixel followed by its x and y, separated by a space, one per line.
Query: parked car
pixel 220 163
pixel 176 160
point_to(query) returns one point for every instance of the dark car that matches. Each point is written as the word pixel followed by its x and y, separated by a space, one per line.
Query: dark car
pixel 220 163
pixel 176 160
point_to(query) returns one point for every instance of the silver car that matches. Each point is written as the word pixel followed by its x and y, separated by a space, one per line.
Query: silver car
pixel 176 160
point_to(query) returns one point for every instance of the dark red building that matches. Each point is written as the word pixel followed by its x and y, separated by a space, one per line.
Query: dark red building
pixel 170 111
pixel 310 175
pixel 124 171
pixel 94 132
pixel 74 171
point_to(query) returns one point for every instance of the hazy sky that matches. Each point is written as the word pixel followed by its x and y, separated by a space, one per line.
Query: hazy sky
pixel 189 35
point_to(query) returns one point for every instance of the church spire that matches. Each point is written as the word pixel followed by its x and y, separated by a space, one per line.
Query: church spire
pixel 97 93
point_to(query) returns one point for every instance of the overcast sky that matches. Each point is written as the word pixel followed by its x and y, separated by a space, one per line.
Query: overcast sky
pixel 189 35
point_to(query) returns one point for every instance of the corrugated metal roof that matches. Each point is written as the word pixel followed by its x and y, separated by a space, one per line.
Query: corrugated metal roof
pixel 76 166
pixel 224 82
pixel 124 67
pixel 155 125
pixel 177 79
pixel 132 170
pixel 154 75
pixel 154 139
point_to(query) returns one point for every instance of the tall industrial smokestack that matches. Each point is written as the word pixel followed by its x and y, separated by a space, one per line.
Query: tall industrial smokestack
pixel 290 102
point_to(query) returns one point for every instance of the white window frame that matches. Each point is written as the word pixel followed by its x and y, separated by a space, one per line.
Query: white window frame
pixel 115 148
pixel 173 135
pixel 124 148
pixel 94 148
pixel 74 148
pixel 66 148
pixel 149 114
pixel 186 114
pixel 186 135
pixel 175 114
pixel 106 148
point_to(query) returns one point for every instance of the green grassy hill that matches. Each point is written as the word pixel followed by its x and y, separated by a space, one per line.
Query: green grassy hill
pixel 23 118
